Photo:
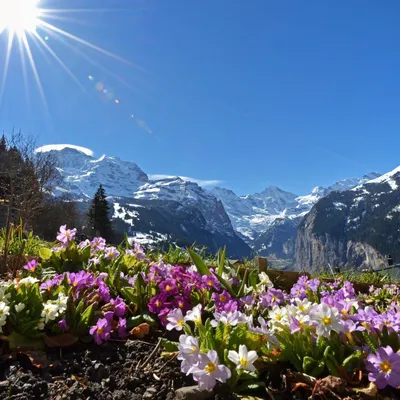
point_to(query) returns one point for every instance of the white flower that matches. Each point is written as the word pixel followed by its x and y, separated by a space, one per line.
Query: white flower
pixel 111 253
pixel 207 371
pixel 264 280
pixel 271 340
pixel 194 315
pixel 228 318
pixel 28 281
pixel 278 316
pixel 19 307
pixel 175 320
pixel 188 352
pixel 327 319
pixel 50 312
pixel 244 359
pixel 3 296
pixel 229 276
pixel 4 310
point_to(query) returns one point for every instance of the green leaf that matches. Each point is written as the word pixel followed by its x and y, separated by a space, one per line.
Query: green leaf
pixel 352 359
pixel 249 385
pixel 85 321
pixel 199 263
pixel 253 277
pixel 85 254
pixel 132 322
pixel 309 364
pixel 168 345
pixel 317 371
pixel 221 260
pixel 128 293
pixel 244 281
pixel 226 285
pixel 45 253
pixel 150 320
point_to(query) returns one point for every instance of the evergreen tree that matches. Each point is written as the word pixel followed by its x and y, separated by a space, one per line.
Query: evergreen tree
pixel 99 220
pixel 3 144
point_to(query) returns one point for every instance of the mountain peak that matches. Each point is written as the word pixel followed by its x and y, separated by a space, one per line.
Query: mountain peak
pixel 71 148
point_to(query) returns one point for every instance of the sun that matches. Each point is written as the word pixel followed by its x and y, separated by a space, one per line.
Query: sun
pixel 19 16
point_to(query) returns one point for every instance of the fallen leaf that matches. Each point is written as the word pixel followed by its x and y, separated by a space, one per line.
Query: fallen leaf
pixel 64 340
pixel 141 330
pixel 371 390
pixel 301 385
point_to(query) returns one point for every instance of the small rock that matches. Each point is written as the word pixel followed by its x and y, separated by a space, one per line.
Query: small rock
pixel 4 384
pixel 193 393
pixel 27 387
pixel 150 393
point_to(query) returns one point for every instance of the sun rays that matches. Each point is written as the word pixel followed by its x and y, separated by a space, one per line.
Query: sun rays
pixel 24 23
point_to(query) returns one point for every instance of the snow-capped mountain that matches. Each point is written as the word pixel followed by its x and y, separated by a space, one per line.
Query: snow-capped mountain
pixel 354 228
pixel 81 173
pixel 166 210
pixel 252 215
pixel 180 210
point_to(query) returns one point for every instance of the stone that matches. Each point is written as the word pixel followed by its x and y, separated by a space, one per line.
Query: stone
pixel 193 393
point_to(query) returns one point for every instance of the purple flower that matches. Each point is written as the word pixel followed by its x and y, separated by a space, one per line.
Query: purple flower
pixel 137 251
pixel 220 299
pixel 109 316
pixel 384 368
pixel 122 328
pixel 119 306
pixel 104 292
pixel 66 235
pixel 182 303
pixel 210 282
pixel 111 253
pixel 169 287
pixel 98 244
pixel 31 266
pixel 101 331
pixel 84 244
pixel 63 325
pixel 273 297
pixel 157 303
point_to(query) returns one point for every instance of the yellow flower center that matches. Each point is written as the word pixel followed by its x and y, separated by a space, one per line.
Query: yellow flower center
pixel 180 304
pixel 386 367
pixel 179 322
pixel 302 308
pixel 99 331
pixel 194 349
pixel 278 317
pixel 168 288
pixel 210 283
pixel 158 303
pixel 274 298
pixel 243 362
pixel 326 320
pixel 388 323
pixel 210 367
pixel 222 298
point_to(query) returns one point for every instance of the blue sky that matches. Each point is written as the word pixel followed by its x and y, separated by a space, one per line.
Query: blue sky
pixel 252 93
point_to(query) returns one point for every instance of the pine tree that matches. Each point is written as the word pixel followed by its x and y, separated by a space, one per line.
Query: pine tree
pixel 3 144
pixel 99 220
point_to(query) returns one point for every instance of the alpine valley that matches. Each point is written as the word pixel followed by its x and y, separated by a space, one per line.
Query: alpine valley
pixel 352 223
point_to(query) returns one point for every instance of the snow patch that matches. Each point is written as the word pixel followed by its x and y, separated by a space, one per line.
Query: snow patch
pixel 59 147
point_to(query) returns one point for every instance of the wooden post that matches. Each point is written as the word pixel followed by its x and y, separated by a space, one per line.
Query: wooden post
pixel 262 264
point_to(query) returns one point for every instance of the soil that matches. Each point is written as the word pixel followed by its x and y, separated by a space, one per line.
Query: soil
pixel 113 371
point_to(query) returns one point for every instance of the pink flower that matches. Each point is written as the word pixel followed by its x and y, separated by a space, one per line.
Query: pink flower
pixel 31 266
pixel 66 235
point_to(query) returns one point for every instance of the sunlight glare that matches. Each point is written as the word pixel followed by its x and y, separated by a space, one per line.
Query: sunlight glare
pixel 19 16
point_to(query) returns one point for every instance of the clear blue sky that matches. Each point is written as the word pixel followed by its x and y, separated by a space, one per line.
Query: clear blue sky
pixel 250 92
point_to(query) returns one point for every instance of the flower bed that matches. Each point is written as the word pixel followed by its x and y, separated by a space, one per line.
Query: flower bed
pixel 226 335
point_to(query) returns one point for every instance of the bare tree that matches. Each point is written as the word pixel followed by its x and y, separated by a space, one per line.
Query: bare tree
pixel 25 177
